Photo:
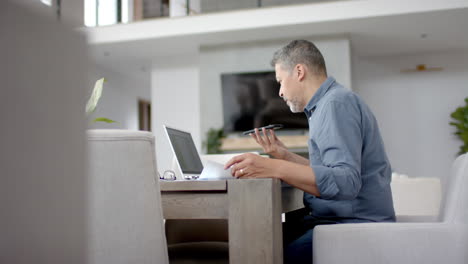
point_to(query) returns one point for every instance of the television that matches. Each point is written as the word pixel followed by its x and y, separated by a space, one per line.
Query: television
pixel 252 100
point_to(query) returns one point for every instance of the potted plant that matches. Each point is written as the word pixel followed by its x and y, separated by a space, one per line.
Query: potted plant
pixel 213 141
pixel 461 123
pixel 94 99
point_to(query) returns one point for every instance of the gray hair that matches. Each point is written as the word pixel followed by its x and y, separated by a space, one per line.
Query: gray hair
pixel 300 52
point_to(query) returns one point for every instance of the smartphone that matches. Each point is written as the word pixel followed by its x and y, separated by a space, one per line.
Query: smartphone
pixel 272 126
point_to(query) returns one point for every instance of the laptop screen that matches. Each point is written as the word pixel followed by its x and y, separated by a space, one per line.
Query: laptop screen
pixel 185 151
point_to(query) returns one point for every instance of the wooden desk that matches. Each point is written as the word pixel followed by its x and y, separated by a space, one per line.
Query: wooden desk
pixel 253 208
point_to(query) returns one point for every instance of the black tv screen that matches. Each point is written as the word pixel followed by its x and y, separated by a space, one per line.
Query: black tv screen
pixel 252 100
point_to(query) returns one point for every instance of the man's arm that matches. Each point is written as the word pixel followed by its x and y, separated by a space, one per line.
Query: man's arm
pixel 249 165
pixel 298 175
pixel 293 157
pixel 274 147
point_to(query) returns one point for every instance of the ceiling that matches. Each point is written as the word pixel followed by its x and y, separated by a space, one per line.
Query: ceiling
pixel 383 35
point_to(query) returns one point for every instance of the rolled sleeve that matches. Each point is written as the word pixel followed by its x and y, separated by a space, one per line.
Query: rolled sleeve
pixel 337 183
pixel 325 182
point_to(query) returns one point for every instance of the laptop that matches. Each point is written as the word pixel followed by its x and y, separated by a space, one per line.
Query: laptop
pixel 188 159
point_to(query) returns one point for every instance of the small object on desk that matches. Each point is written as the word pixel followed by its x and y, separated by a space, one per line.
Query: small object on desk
pixel 191 177
pixel 272 126
pixel 168 175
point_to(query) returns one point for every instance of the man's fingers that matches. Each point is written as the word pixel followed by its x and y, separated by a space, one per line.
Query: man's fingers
pixel 276 137
pixel 252 135
pixel 237 170
pixel 233 161
pixel 242 169
pixel 239 173
pixel 273 137
pixel 267 139
pixel 259 137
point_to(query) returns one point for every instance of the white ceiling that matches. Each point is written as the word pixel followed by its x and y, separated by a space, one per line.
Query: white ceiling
pixel 130 47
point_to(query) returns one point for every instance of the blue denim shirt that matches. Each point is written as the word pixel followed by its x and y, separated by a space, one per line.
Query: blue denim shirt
pixel 348 157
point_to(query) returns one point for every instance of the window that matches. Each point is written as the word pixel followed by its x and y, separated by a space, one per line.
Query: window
pixel 106 12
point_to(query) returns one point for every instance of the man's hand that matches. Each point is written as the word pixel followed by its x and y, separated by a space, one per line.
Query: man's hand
pixel 270 143
pixel 250 165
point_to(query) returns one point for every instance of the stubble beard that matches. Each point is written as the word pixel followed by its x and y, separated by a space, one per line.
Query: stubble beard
pixel 295 105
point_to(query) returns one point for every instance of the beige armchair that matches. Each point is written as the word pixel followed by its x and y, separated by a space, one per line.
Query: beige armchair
pixel 444 241
pixel 125 215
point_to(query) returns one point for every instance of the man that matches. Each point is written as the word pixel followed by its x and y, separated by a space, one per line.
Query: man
pixel 347 176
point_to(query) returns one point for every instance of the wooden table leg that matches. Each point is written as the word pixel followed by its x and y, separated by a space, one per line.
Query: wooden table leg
pixel 255 230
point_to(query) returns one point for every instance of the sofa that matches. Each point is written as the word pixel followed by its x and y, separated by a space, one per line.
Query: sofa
pixel 441 240
pixel 415 198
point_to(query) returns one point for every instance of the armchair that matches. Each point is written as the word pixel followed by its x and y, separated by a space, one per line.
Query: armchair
pixel 125 219
pixel 445 241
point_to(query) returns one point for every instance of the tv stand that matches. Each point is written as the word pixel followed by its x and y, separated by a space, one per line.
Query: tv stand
pixel 295 143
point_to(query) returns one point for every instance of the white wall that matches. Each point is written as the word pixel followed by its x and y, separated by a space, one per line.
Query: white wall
pixel 175 102
pixel 256 57
pixel 119 99
pixel 413 109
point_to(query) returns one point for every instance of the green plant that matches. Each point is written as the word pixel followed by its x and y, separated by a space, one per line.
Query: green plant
pixel 213 141
pixel 461 117
pixel 94 99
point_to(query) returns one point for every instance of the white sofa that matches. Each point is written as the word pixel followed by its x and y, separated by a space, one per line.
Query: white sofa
pixel 415 199
pixel 442 241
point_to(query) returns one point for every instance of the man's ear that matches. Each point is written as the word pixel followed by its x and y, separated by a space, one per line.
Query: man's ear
pixel 300 71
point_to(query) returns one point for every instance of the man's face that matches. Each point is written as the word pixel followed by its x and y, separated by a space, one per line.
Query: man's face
pixel 290 89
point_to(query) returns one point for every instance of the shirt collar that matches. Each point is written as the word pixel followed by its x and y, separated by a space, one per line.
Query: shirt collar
pixel 323 89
